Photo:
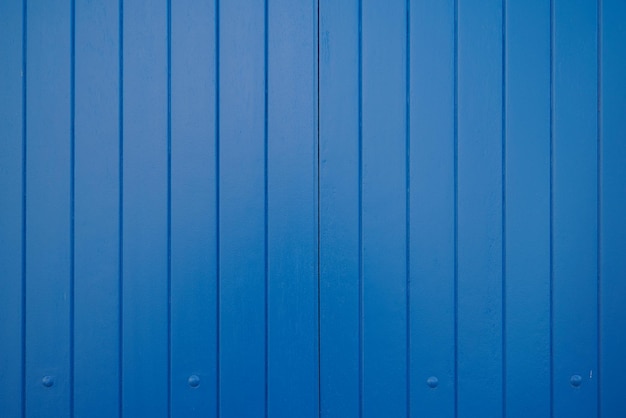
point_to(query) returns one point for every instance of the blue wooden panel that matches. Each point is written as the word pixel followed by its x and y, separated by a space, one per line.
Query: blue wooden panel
pixel 384 189
pixel 48 211
pixel 527 208
pixel 432 208
pixel 612 208
pixel 292 209
pixel 11 215
pixel 479 245
pixel 191 225
pixel 96 210
pixel 574 211
pixel 242 208
pixel 145 347
pixel 340 278
pixel 193 210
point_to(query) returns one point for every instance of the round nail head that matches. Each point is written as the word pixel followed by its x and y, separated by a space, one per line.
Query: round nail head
pixel 47 381
pixel 576 380
pixel 194 381
pixel 432 382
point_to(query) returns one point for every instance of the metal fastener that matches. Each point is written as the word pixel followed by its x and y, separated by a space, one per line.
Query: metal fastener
pixel 432 382
pixel 576 380
pixel 194 381
pixel 47 381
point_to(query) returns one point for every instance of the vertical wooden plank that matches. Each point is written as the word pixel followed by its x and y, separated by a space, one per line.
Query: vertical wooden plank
pixel 574 233
pixel 479 208
pixel 612 207
pixel 527 209
pixel 194 209
pixel 432 208
pixel 384 209
pixel 339 208
pixel 96 210
pixel 145 207
pixel 11 116
pixel 48 212
pixel 242 208
pixel 292 209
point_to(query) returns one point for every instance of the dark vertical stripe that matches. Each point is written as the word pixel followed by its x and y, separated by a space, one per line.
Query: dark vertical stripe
pixel 72 194
pixel 265 209
pixel 318 215
pixel 599 203
pixel 360 141
pixel 169 207
pixel 503 306
pixel 551 208
pixel 120 209
pixel 217 200
pixel 24 140
pixel 456 207
pixel 407 89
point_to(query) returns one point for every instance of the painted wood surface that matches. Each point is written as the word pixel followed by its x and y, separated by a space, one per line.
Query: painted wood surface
pixel 283 208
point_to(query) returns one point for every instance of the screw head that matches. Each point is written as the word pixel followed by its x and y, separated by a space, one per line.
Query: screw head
pixel 576 380
pixel 194 381
pixel 47 381
pixel 432 382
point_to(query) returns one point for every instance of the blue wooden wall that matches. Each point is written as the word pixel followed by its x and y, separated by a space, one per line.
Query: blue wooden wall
pixel 249 208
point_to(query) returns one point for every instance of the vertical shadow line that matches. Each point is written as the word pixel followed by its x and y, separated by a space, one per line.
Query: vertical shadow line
pixel 503 163
pixel 456 208
pixel 265 208
pixel 408 202
pixel 360 198
pixel 23 226
pixel 72 297
pixel 217 203
pixel 552 208
pixel 121 209
pixel 169 207
pixel 319 245
pixel 599 205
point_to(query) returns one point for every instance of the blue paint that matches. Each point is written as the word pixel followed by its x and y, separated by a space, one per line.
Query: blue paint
pixel 194 221
pixel 292 276
pixel 48 221
pixel 96 211
pixel 340 363
pixel 242 201
pixel 321 208
pixel 479 208
pixel 383 208
pixel 432 208
pixel 145 255
pixel 527 210
pixel 612 206
pixel 574 208
pixel 11 215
